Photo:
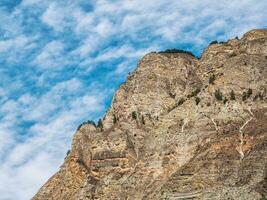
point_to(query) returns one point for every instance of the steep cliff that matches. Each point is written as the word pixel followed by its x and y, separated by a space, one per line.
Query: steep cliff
pixel 179 128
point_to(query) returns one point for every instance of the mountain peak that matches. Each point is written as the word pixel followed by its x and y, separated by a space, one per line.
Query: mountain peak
pixel 180 127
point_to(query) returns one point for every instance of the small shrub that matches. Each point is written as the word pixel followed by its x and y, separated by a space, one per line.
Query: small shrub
pixel 208 104
pixel 134 115
pixel 249 93
pixel 90 122
pixel 244 96
pixel 232 95
pixel 212 79
pixel 143 120
pixel 214 42
pixel 100 124
pixel 180 102
pixel 197 100
pixel 218 95
pixel 68 152
pixel 79 126
pixel 114 119
pixel 225 100
pixel 172 95
pixel 194 93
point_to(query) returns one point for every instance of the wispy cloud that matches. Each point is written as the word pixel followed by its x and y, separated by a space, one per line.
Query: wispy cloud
pixel 60 62
pixel 43 146
pixel 51 56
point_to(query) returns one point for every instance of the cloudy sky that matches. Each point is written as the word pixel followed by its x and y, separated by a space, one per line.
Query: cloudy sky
pixel 62 60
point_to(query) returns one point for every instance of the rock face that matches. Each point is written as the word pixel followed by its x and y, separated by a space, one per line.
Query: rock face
pixel 179 128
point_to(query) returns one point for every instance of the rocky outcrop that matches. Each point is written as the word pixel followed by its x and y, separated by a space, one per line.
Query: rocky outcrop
pixel 179 128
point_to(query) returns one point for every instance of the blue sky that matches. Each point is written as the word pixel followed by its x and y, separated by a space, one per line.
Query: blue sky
pixel 61 61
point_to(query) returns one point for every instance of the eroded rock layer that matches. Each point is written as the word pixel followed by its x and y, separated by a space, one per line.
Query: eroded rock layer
pixel 179 128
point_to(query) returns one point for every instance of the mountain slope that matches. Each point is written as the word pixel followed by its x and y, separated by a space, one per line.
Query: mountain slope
pixel 179 128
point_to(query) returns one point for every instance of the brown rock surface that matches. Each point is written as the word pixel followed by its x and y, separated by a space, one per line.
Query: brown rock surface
pixel 174 131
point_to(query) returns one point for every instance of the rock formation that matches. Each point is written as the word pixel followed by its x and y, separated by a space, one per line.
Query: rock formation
pixel 179 128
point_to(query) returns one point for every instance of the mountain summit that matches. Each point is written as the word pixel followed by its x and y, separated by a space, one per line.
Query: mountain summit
pixel 179 128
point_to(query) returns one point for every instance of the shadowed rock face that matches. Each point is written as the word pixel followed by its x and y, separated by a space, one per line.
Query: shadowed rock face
pixel 179 128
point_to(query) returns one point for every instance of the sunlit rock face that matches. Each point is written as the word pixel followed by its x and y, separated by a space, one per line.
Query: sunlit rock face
pixel 179 128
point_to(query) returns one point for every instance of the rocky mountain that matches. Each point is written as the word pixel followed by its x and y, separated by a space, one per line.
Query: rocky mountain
pixel 179 128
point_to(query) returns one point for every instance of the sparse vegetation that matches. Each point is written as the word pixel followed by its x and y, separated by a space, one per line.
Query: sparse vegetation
pixel 225 100
pixel 247 94
pixel 134 115
pixel 244 96
pixel 100 124
pixel 68 152
pixel 197 100
pixel 232 95
pixel 114 119
pixel 214 42
pixel 172 95
pixel 177 51
pixel 194 93
pixel 143 120
pixel 87 122
pixel 218 95
pixel 212 79
pixel 233 55
pixel 180 102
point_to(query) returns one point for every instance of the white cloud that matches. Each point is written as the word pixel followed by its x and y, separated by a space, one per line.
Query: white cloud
pixel 35 171
pixel 7 138
pixel 19 42
pixel 30 2
pixel 89 45
pixel 84 22
pixel 54 17
pixel 56 119
pixel 104 28
pixel 51 56
pixel 125 51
